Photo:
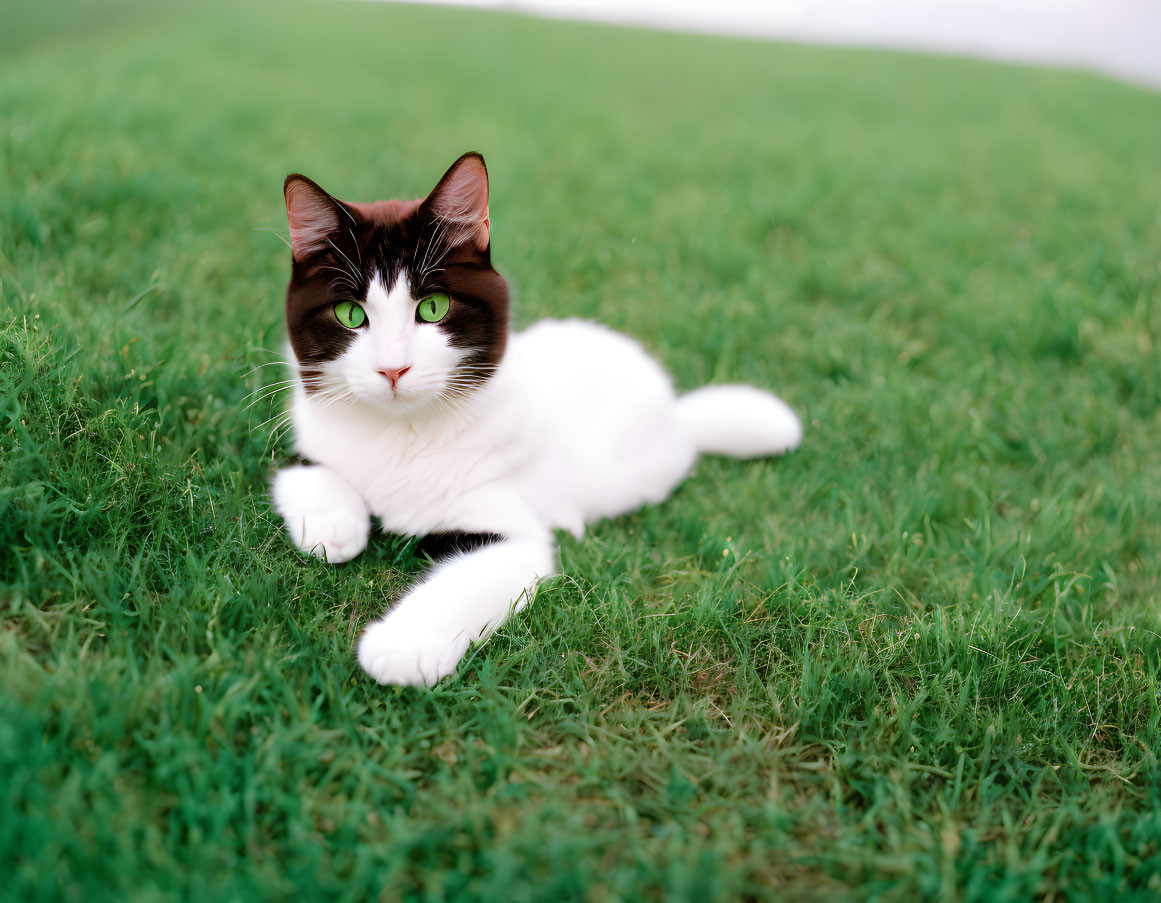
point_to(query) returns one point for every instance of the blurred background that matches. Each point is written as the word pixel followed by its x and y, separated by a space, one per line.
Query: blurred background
pixel 1121 37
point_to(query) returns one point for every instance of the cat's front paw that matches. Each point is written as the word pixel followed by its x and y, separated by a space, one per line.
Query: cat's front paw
pixel 332 535
pixel 404 652
pixel 324 516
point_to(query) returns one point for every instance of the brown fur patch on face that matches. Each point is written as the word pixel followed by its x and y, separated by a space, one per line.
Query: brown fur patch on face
pixel 435 241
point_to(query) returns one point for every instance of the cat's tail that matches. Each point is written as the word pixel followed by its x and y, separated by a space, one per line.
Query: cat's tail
pixel 739 421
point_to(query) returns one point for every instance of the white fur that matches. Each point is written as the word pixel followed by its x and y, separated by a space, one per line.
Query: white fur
pixel 324 515
pixel 463 599
pixel 739 421
pixel 577 424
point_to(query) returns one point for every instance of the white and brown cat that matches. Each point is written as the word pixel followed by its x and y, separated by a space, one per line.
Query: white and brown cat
pixel 416 407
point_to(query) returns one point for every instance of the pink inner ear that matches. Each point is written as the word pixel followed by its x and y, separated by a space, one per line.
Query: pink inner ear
pixel 484 233
pixel 463 199
pixel 312 218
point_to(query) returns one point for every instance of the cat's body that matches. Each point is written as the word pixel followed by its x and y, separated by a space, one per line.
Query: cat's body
pixel 432 429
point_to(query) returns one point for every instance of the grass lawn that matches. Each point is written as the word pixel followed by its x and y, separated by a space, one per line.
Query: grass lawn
pixel 919 658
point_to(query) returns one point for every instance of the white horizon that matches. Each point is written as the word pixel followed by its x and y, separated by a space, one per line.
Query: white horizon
pixel 1119 38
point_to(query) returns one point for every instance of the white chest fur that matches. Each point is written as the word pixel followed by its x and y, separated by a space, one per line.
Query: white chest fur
pixel 578 423
pixel 412 475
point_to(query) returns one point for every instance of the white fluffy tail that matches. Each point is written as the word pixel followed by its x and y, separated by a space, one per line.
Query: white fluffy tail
pixel 739 421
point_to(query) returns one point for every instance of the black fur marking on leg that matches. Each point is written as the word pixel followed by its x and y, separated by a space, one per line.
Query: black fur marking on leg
pixel 440 545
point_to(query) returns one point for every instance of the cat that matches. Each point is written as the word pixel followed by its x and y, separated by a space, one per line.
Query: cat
pixel 413 404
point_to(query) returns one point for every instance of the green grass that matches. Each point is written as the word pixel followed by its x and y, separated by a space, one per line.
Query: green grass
pixel 919 658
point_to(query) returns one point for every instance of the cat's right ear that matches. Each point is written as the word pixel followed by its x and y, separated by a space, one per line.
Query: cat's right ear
pixel 314 215
pixel 461 201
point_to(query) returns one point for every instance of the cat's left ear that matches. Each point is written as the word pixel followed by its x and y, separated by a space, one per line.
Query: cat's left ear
pixel 461 199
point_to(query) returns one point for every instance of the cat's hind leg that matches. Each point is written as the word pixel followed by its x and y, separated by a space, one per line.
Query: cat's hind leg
pixel 324 514
pixel 739 421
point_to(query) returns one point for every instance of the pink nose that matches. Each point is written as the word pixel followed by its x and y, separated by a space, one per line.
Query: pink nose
pixel 394 374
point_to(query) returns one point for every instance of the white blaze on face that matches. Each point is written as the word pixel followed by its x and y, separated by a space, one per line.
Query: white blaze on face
pixel 393 340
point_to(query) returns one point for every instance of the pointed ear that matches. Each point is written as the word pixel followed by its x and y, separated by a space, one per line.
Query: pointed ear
pixel 313 215
pixel 461 199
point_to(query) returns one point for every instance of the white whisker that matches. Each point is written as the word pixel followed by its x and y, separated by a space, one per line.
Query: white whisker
pixel 275 233
pixel 354 270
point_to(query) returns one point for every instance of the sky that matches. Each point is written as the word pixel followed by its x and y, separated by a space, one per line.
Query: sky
pixel 1118 37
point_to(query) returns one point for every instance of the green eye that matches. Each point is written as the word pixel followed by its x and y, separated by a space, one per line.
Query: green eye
pixel 350 314
pixel 434 308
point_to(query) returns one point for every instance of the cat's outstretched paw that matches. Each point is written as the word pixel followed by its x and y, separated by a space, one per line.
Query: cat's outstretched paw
pixel 404 653
pixel 323 514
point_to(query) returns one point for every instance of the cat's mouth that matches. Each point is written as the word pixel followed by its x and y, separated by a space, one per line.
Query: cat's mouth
pixel 405 394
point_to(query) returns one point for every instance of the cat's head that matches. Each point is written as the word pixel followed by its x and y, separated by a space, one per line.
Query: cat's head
pixel 395 304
